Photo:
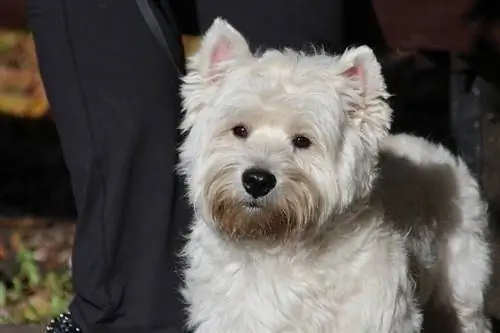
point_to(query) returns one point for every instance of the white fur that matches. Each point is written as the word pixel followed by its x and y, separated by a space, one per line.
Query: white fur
pixel 387 223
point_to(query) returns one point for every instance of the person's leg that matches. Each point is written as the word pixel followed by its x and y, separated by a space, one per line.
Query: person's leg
pixel 296 24
pixel 113 93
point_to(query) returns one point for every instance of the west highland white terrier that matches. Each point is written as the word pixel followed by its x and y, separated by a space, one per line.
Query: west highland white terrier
pixel 309 216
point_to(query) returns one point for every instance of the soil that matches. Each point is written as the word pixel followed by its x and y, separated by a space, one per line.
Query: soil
pixel 21 329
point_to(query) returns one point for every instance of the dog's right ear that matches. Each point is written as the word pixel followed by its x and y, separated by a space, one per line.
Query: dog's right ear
pixel 222 48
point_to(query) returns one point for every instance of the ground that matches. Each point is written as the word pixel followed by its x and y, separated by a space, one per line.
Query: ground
pixel 21 329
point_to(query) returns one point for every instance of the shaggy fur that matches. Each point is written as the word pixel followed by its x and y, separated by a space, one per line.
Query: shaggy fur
pixel 361 231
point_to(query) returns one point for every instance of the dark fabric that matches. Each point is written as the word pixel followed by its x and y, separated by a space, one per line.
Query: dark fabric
pixel 280 23
pixel 185 15
pixel 114 96
pixel 113 88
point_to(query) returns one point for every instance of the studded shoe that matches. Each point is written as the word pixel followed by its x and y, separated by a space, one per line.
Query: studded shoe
pixel 64 323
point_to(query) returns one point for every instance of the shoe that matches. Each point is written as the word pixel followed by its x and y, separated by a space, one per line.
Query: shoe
pixel 64 323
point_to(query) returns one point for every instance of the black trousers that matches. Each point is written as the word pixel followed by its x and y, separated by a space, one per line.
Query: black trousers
pixel 112 83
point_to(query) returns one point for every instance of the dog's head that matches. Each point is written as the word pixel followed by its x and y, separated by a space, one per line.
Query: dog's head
pixel 279 143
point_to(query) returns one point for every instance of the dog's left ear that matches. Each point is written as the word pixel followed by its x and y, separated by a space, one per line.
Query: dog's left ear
pixel 360 66
pixel 222 49
pixel 364 93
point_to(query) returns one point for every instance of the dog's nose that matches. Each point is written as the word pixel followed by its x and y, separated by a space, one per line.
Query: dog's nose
pixel 258 182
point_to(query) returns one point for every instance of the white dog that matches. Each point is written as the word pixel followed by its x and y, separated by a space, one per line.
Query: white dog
pixel 309 217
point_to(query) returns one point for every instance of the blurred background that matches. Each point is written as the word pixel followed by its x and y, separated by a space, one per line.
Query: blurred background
pixel 441 59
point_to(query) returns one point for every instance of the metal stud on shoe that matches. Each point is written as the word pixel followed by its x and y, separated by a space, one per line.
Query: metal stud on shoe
pixel 64 323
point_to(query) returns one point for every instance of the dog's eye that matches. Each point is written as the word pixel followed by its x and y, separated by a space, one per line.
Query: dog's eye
pixel 240 131
pixel 301 142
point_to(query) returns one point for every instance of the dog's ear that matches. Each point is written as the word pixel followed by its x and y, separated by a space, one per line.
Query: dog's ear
pixel 221 49
pixel 360 66
pixel 364 93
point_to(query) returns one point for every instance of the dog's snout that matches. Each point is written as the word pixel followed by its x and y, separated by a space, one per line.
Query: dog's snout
pixel 258 182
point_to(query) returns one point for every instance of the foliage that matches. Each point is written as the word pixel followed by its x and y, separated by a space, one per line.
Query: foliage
pixel 33 296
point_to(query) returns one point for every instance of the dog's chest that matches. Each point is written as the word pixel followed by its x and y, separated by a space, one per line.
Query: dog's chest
pixel 231 292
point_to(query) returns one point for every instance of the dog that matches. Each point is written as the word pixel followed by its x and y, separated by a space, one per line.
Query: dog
pixel 309 216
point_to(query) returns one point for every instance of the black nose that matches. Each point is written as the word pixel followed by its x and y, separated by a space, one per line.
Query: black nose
pixel 258 182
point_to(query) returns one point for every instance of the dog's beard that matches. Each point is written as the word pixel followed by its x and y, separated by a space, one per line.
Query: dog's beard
pixel 289 214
